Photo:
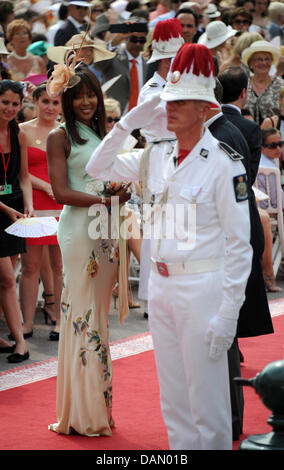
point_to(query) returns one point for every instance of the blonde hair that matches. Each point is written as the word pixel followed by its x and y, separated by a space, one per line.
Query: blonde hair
pixel 147 51
pixel 112 105
pixel 15 25
pixel 244 41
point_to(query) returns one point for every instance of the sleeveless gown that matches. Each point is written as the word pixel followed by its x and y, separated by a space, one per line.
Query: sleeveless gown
pixel 84 381
pixel 11 245
pixel 42 202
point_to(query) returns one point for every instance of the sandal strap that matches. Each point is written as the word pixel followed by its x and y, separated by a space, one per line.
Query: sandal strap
pixel 44 295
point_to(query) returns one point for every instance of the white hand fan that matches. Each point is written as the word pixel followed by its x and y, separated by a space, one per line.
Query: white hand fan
pixel 33 227
pixel 260 195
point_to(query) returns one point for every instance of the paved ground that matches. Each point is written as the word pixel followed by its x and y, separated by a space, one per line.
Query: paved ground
pixel 41 348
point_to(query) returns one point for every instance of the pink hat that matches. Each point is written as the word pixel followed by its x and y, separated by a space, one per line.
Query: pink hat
pixel 36 79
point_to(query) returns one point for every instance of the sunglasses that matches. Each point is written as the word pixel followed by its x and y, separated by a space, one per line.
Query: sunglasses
pixel 79 7
pixel 274 145
pixel 110 119
pixel 134 39
pixel 239 22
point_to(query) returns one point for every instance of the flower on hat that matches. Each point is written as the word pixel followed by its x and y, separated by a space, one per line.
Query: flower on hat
pixel 63 76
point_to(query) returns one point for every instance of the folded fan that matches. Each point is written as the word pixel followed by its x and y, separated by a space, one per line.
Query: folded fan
pixel 33 227
pixel 260 195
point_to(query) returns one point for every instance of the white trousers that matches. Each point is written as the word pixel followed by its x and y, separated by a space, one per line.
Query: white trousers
pixel 145 268
pixel 194 389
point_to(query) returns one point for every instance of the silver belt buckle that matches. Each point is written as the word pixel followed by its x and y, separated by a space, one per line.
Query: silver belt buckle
pixel 162 268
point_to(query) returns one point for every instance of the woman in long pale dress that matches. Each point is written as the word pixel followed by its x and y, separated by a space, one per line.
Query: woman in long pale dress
pixel 90 264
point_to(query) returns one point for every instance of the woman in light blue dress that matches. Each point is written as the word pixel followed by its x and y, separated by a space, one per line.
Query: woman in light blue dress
pixel 90 264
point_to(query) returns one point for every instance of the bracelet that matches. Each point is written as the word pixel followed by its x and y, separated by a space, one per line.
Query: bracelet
pixel 103 200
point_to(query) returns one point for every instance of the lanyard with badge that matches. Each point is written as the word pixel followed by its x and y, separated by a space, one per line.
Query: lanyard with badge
pixel 6 188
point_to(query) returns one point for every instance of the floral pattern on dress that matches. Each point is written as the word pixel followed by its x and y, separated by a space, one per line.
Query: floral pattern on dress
pixel 95 345
pixel 110 248
pixel 93 265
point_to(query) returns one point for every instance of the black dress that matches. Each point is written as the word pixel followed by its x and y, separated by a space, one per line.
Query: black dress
pixel 10 244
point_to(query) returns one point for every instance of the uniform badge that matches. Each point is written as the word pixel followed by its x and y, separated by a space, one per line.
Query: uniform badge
pixel 204 153
pixel 241 187
pixel 233 154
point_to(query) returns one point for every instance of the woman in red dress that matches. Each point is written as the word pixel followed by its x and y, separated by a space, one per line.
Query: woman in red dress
pixel 37 131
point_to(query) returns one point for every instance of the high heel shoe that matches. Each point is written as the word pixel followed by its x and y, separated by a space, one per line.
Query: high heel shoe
pixel 131 303
pixel 47 315
pixel 44 311
pixel 115 297
pixel 54 336
pixel 270 284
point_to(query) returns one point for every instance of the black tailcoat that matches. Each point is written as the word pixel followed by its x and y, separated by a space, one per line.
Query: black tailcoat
pixel 254 318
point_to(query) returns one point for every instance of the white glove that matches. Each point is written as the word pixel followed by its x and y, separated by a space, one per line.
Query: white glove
pixel 143 114
pixel 220 335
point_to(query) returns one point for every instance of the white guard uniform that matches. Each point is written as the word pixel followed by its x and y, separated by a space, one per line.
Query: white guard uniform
pixel 194 388
pixel 156 129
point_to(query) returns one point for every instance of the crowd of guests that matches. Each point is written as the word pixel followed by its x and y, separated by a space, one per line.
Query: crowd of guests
pixel 115 42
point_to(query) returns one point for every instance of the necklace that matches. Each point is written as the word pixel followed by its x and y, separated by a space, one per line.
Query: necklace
pixel 20 57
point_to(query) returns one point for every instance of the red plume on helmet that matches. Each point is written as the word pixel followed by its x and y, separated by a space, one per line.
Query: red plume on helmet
pixel 167 39
pixel 192 75
pixel 167 29
pixel 194 57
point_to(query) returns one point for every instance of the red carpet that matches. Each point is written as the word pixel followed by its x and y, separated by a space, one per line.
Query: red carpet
pixel 27 410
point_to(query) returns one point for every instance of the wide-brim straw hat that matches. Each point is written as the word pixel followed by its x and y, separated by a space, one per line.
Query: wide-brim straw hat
pixel 215 34
pixel 57 53
pixel 261 46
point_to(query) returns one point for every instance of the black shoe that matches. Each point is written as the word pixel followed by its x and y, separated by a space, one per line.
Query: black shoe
pixel 7 349
pixel 16 357
pixel 54 336
pixel 145 315
pixel 26 335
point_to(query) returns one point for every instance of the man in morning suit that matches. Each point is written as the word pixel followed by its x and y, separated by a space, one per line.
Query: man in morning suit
pixel 75 23
pixel 122 64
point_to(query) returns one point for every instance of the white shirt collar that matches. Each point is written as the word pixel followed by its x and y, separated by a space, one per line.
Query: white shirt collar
pixel 158 79
pixel 232 106
pixel 130 57
pixel 75 22
pixel 213 119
